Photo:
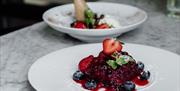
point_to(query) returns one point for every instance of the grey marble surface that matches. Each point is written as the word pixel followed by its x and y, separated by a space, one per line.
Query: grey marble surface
pixel 18 50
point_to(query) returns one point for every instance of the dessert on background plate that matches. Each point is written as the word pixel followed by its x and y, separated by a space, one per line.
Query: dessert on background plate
pixel 94 21
pixel 112 70
pixel 85 18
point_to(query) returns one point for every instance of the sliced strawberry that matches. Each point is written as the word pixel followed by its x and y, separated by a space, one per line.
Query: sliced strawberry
pixel 111 45
pixel 80 25
pixel 102 26
pixel 84 63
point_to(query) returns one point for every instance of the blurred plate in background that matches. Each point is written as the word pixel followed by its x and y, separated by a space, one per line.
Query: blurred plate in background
pixel 129 17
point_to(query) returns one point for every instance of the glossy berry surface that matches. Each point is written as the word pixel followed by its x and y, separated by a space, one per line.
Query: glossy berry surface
pixel 98 69
pixel 84 63
pixel 129 86
pixel 102 26
pixel 145 75
pixel 78 75
pixel 111 45
pixel 79 24
pixel 91 84
pixel 140 65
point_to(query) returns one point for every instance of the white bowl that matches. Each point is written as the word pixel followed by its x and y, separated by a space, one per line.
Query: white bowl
pixel 60 18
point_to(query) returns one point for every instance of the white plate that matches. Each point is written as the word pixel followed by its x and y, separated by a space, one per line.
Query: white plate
pixel 61 17
pixel 54 71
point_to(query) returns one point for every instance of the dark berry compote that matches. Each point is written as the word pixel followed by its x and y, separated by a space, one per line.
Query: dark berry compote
pixel 112 70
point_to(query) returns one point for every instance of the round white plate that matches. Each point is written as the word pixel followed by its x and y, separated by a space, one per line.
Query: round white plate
pixel 129 17
pixel 54 71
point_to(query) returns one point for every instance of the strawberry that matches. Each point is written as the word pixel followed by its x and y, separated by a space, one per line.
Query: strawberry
pixel 111 45
pixel 102 26
pixel 84 63
pixel 79 24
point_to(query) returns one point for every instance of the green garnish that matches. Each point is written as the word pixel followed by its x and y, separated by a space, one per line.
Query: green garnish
pixel 112 63
pixel 89 17
pixel 89 13
pixel 121 61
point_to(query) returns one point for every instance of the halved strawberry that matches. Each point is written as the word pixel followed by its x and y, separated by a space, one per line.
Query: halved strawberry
pixel 80 25
pixel 84 63
pixel 111 45
pixel 102 26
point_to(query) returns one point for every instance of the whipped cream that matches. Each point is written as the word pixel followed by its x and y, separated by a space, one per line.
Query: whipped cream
pixel 111 21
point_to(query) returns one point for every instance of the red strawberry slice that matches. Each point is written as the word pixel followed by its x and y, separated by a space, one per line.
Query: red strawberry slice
pixel 111 45
pixel 84 63
pixel 103 26
pixel 80 25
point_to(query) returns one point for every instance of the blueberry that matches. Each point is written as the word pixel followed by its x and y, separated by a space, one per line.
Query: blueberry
pixel 129 86
pixel 140 65
pixel 78 75
pixel 91 84
pixel 145 75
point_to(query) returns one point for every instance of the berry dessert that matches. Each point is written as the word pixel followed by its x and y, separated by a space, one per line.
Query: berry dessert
pixel 112 70
pixel 87 19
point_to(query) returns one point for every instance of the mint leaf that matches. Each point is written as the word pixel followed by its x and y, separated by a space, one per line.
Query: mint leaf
pixel 112 63
pixel 89 17
pixel 120 61
pixel 87 21
pixel 123 62
pixel 89 13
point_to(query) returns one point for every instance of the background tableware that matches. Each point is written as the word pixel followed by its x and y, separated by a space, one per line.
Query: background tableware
pixel 129 17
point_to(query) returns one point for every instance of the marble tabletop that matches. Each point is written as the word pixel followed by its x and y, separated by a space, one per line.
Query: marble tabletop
pixel 18 50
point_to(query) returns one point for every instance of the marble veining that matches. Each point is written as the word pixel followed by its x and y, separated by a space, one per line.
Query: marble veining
pixel 20 49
